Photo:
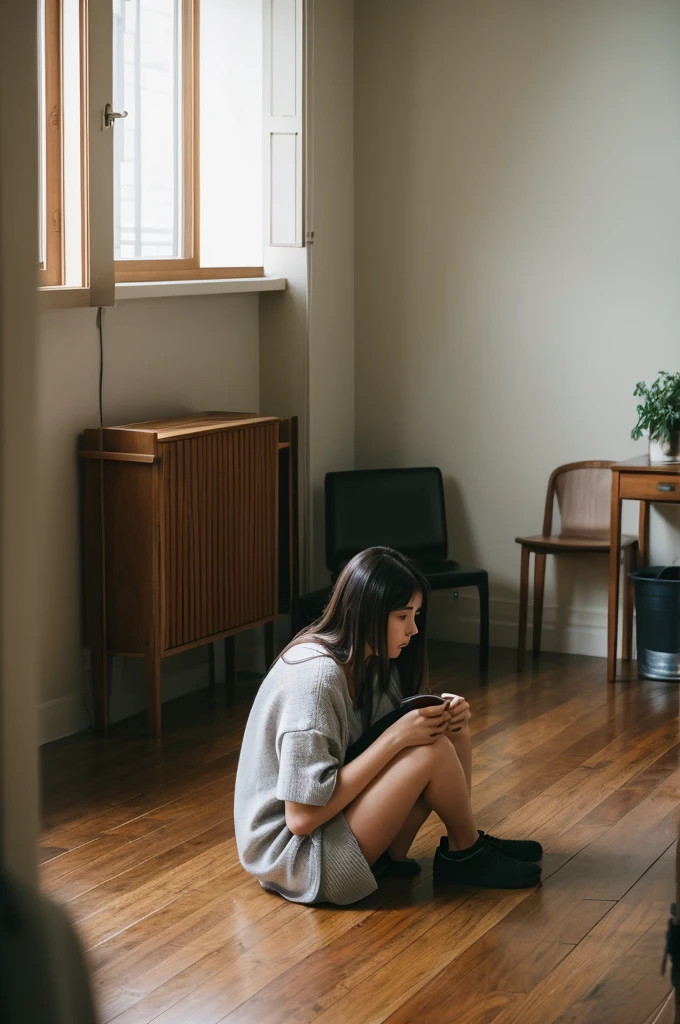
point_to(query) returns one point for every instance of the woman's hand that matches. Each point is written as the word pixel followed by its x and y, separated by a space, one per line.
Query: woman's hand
pixel 459 710
pixel 419 727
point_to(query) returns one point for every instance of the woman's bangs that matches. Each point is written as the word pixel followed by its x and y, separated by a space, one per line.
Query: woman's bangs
pixel 402 586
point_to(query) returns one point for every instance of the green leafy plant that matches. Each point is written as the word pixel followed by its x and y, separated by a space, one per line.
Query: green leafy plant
pixel 660 412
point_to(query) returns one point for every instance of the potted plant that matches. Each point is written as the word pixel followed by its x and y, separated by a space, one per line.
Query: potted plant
pixel 659 415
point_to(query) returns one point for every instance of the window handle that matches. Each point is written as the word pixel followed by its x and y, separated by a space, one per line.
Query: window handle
pixel 110 115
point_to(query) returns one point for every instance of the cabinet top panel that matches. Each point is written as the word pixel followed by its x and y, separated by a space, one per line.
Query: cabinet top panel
pixel 198 423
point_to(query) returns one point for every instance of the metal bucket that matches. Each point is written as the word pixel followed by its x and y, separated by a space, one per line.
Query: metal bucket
pixel 657 608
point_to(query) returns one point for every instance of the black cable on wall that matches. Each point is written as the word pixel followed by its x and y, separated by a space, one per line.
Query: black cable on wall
pixel 100 318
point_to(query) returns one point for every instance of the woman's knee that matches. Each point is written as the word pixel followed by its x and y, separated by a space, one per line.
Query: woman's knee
pixel 428 754
pixel 443 748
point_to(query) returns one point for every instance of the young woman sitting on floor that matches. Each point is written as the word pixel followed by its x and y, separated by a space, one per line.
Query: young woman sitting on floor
pixel 318 822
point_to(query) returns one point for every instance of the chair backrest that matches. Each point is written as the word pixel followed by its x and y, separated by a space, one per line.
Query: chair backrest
pixel 397 508
pixel 583 491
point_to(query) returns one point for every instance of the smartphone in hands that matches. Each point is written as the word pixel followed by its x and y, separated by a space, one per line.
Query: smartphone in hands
pixel 422 700
pixel 426 700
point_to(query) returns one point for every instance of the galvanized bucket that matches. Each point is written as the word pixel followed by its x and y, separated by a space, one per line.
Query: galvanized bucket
pixel 657 609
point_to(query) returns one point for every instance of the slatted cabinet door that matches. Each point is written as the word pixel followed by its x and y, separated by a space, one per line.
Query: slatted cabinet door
pixel 219 549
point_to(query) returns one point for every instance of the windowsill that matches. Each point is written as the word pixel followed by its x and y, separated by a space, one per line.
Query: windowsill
pixel 73 298
pixel 63 297
pixel 171 289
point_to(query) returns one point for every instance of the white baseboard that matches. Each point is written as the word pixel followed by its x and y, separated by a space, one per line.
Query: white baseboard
pixel 569 630
pixel 67 715
pixel 74 713
pixel 128 690
pixel 61 717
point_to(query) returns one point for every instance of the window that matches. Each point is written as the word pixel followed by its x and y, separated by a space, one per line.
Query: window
pixel 175 183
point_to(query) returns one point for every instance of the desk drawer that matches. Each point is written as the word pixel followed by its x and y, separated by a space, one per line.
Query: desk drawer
pixel 650 486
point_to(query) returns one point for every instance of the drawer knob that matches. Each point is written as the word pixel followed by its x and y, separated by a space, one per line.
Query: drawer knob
pixel 665 487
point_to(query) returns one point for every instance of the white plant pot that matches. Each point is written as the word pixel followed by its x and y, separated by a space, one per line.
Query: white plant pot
pixel 664 451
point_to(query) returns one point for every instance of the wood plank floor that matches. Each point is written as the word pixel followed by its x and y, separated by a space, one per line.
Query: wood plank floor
pixel 138 844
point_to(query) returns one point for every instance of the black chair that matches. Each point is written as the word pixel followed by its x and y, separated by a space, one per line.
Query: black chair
pixel 307 608
pixel 402 509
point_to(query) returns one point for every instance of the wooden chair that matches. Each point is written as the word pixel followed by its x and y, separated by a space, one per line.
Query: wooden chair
pixel 583 491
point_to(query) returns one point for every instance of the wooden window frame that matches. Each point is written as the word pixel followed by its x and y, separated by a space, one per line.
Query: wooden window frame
pixel 51 276
pixel 84 22
pixel 188 268
pixel 52 273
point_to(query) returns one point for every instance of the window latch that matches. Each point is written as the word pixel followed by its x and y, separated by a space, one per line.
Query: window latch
pixel 110 115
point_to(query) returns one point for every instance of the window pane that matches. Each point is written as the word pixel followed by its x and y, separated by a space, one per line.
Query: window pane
pixel 147 82
pixel 231 133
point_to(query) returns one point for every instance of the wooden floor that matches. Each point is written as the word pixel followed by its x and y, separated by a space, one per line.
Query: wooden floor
pixel 138 844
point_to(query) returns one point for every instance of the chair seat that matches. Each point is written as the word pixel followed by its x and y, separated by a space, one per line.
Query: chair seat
pixel 442 575
pixel 569 542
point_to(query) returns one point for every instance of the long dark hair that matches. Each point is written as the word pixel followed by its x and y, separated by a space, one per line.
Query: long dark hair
pixel 373 584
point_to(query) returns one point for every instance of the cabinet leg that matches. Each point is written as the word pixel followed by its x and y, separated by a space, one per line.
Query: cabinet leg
pixel 100 688
pixel 153 693
pixel 211 666
pixel 110 676
pixel 230 668
pixel 268 645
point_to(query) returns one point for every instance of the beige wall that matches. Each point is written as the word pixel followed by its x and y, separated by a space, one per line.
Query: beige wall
pixel 161 357
pixel 517 254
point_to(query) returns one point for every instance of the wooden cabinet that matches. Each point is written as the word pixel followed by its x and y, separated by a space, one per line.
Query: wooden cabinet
pixel 190 536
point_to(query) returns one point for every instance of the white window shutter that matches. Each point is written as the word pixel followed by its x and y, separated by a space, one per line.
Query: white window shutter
pixel 282 119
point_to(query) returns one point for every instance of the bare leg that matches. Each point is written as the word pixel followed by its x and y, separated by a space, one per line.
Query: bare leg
pixel 462 744
pixel 432 771
pixel 420 812
pixel 417 817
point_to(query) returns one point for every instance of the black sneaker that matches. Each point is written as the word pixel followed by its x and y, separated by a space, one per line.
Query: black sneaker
pixel 520 849
pixel 387 867
pixel 484 866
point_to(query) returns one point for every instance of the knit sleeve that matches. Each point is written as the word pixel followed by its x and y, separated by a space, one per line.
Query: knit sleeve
pixel 307 769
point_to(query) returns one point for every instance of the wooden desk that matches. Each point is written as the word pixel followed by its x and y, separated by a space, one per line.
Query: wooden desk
pixel 634 480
